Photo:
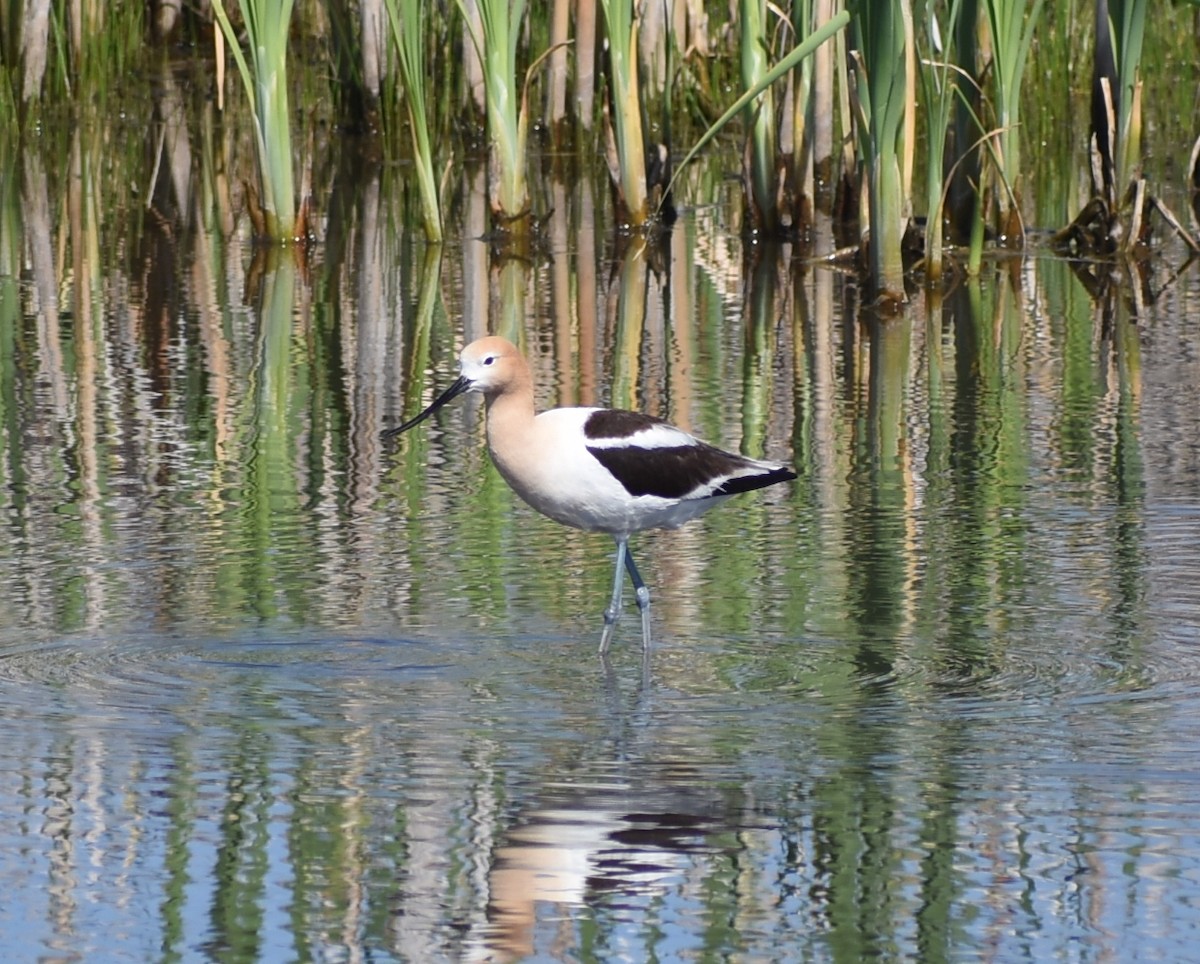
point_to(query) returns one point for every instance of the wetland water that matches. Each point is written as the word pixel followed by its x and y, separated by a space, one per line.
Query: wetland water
pixel 270 690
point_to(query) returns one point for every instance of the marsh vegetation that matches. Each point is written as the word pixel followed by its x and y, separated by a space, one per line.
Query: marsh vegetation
pixel 836 107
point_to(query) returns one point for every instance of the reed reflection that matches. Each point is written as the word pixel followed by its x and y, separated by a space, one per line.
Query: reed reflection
pixel 885 698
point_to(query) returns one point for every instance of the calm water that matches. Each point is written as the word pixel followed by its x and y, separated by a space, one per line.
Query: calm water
pixel 271 691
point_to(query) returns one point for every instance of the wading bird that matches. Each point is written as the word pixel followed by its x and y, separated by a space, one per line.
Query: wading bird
pixel 598 469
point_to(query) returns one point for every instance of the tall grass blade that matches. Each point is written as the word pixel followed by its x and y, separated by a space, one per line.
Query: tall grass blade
pixel 760 117
pixel 265 79
pixel 963 178
pixel 804 49
pixel 495 33
pixel 1129 21
pixel 1011 23
pixel 939 84
pixel 1103 135
pixel 812 83
pixel 885 88
pixel 1116 96
pixel 408 21
pixel 627 110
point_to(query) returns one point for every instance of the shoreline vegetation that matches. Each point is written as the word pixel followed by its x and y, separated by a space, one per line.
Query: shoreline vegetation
pixel 921 129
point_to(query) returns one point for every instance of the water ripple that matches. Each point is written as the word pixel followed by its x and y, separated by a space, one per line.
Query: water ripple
pixel 1001 671
pixel 132 677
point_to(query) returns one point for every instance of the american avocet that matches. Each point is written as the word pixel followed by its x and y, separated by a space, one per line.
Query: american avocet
pixel 599 469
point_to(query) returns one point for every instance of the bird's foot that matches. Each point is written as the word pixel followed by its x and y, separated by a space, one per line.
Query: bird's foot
pixel 643 601
pixel 610 623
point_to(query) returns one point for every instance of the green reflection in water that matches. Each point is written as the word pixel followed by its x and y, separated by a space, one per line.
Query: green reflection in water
pixel 309 690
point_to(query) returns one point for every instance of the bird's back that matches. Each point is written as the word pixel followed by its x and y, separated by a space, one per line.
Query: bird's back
pixel 621 472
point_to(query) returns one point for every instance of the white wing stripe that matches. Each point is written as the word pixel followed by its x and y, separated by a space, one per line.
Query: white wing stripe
pixel 653 437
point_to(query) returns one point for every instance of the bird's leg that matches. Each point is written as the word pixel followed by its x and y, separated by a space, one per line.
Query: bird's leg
pixel 614 606
pixel 643 598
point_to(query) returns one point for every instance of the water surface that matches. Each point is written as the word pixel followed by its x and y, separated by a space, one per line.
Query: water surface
pixel 272 690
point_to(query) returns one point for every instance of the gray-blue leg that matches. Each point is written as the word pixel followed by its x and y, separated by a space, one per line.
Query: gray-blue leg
pixel 643 598
pixel 613 612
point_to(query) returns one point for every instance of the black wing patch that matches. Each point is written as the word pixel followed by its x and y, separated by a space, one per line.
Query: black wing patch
pixel 616 423
pixel 748 483
pixel 672 473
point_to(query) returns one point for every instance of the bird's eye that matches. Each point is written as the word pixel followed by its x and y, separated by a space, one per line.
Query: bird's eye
pixel 489 359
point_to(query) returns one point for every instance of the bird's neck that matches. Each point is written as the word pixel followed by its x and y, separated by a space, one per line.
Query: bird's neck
pixel 509 418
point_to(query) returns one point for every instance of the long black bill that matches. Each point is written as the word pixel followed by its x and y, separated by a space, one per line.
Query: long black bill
pixel 461 384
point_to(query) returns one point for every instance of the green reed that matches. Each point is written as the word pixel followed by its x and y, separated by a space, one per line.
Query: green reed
pixel 107 40
pixel 1011 24
pixel 8 103
pixel 962 190
pixel 627 158
pixel 266 82
pixel 884 70
pixel 1127 28
pixel 495 34
pixel 802 50
pixel 806 85
pixel 408 22
pixel 89 46
pixel 939 85
pixel 68 52
pixel 760 117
